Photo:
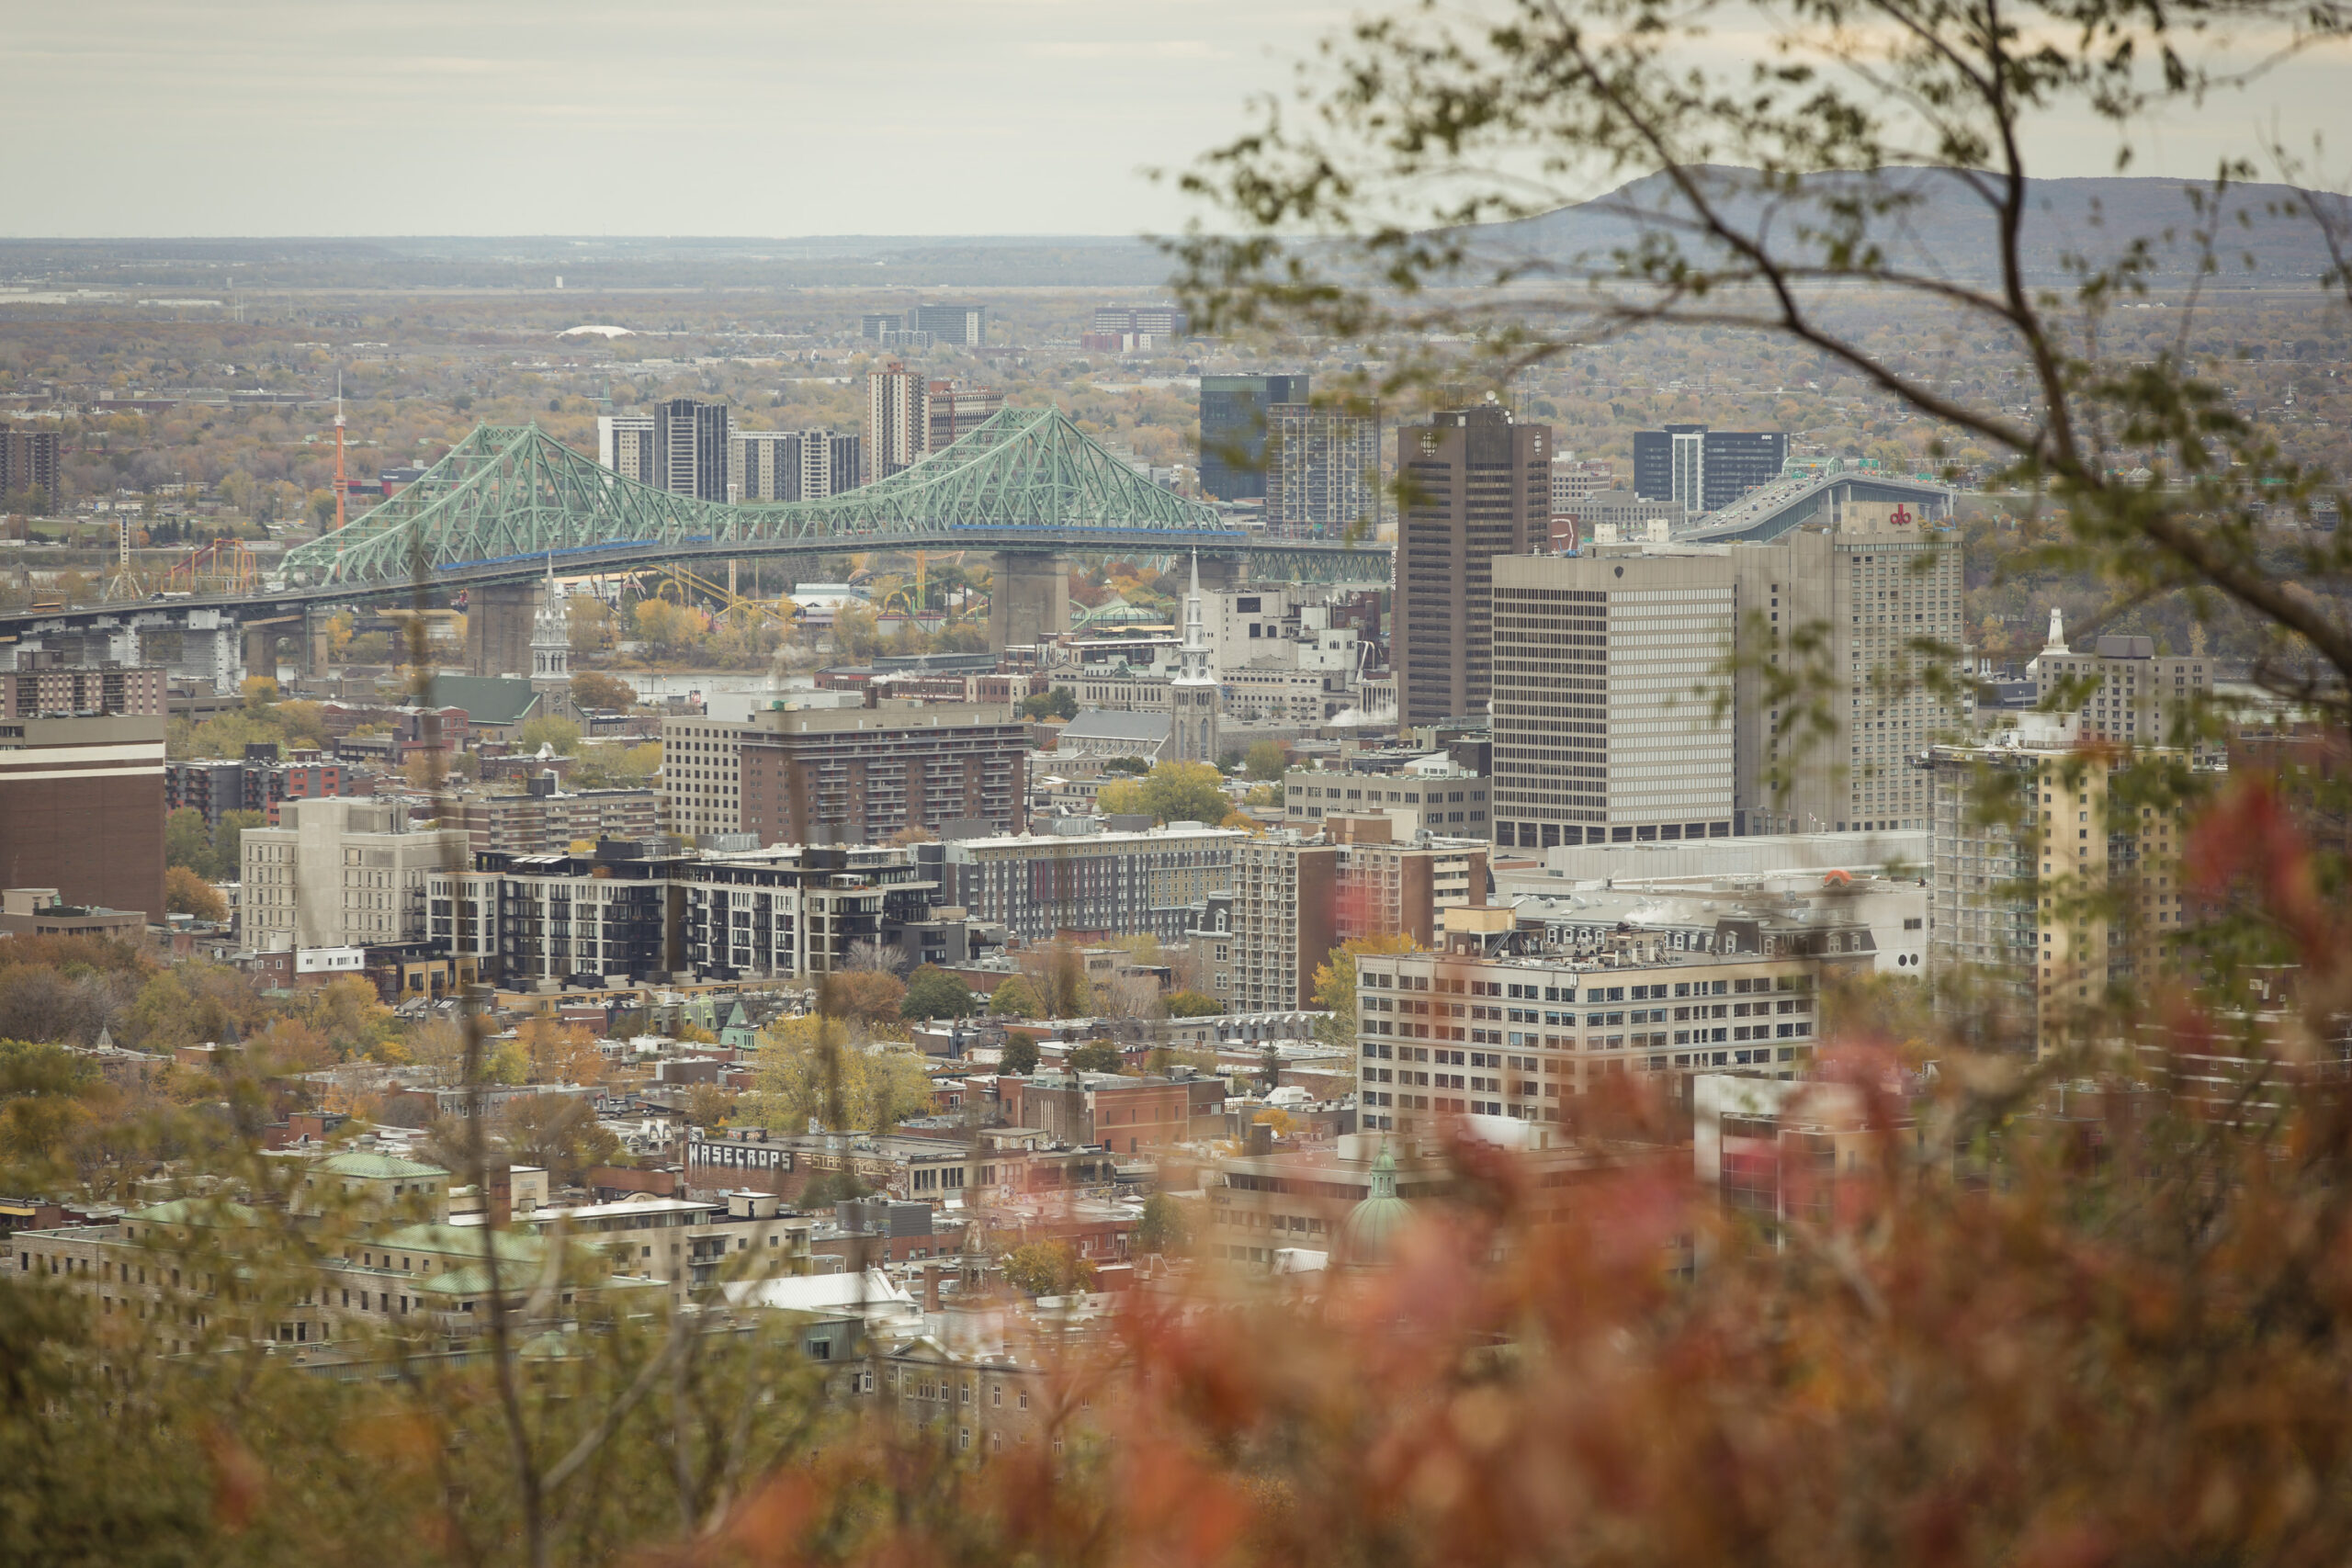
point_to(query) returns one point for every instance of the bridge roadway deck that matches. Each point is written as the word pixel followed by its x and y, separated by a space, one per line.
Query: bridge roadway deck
pixel 1364 565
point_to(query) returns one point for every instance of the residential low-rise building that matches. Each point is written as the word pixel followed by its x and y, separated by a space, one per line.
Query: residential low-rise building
pixel 1425 794
pixel 1040 886
pixel 342 873
pixel 548 820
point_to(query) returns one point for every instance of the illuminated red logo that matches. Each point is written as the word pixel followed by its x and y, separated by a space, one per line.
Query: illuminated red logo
pixel 1902 518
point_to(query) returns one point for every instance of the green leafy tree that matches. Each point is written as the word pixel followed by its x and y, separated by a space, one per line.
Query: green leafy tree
pixel 1335 984
pixel 1060 703
pixel 1095 1057
pixel 1015 998
pixel 226 861
pixel 933 992
pixel 1046 1269
pixel 1171 792
pixel 187 840
pixel 595 689
pixel 1019 1058
pixel 1265 761
pixel 185 893
pixel 548 729
pixel 1192 1004
pixel 1161 1227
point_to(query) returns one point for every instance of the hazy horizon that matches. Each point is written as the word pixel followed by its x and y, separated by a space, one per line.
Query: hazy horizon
pixel 981 118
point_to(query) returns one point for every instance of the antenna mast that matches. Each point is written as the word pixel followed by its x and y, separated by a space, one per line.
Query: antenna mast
pixel 339 486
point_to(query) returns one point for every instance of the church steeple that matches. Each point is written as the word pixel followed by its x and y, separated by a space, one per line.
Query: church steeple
pixel 551 648
pixel 1195 695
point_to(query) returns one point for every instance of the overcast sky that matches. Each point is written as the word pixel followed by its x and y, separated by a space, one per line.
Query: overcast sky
pixel 653 117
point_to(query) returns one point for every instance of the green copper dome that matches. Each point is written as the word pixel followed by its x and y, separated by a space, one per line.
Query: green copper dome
pixel 1372 1227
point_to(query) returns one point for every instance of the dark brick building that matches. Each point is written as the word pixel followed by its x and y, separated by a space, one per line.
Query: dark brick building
pixel 81 810
pixel 859 775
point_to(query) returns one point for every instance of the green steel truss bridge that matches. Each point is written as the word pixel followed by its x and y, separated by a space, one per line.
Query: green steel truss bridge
pixel 510 499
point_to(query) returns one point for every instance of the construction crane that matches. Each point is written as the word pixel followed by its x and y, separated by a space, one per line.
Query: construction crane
pixel 224 565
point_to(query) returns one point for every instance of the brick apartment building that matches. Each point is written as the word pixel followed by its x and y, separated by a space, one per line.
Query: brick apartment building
pixel 862 775
pixel 258 782
pixel 29 691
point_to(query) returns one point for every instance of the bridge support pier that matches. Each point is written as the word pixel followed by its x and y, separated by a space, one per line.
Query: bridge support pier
pixel 261 649
pixel 210 650
pixel 498 628
pixel 1029 599
pixel 317 643
pixel 1221 572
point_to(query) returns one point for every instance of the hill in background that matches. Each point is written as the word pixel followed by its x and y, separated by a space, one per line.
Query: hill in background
pixel 1948 230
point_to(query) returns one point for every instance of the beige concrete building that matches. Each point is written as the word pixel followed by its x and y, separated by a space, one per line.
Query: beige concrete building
pixel 1814 657
pixel 549 821
pixel 342 871
pixel 2046 896
pixel 1443 1036
pixel 2123 691
pixel 1612 694
pixel 1276 925
pixel 1428 795
pixel 1855 620
pixel 702 776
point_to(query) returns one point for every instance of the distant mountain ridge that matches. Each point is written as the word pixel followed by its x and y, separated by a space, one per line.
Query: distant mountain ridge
pixel 1950 229
pixel 589 262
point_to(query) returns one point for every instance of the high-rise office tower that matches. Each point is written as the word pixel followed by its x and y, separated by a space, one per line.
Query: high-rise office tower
pixel 1162 324
pixel 1474 486
pixel 965 324
pixel 1234 410
pixel 28 463
pixel 956 411
pixel 1613 687
pixel 624 445
pixel 881 324
pixel 1827 640
pixel 1322 470
pixel 897 420
pixel 690 448
pixel 1194 695
pixel 1853 622
pixel 792 465
pixel 1704 470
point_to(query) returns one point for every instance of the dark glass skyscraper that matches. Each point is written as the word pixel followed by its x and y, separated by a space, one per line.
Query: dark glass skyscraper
pixel 1233 431
pixel 1704 470
pixel 690 448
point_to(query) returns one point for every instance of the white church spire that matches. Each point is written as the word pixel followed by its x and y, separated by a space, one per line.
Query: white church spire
pixel 1196 696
